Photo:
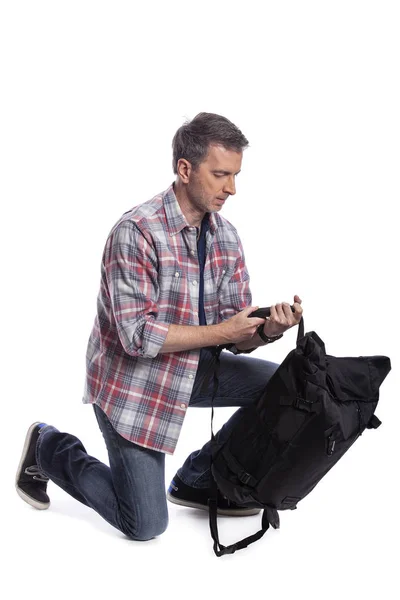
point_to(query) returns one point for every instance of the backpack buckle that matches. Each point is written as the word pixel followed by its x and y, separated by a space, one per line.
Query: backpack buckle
pixel 304 404
pixel 244 477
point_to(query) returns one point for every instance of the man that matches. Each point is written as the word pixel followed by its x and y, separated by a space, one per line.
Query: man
pixel 173 283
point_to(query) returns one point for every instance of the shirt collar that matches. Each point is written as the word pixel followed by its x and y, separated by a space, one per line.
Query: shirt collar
pixel 176 220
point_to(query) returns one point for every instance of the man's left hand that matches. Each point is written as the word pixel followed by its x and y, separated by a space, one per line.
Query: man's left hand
pixel 282 318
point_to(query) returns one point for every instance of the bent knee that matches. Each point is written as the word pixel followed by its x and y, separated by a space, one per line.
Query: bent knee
pixel 146 529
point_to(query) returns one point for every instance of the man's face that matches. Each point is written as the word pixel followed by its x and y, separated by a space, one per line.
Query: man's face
pixel 214 180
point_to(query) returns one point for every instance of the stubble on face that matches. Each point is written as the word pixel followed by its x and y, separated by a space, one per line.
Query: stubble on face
pixel 214 179
pixel 197 195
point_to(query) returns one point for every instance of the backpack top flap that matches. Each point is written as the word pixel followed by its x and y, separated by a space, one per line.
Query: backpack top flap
pixel 356 379
pixel 346 378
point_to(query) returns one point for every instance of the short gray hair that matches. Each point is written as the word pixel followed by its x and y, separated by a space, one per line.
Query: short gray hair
pixel 193 139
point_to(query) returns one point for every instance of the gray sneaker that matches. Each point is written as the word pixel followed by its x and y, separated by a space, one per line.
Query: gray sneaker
pixel 30 482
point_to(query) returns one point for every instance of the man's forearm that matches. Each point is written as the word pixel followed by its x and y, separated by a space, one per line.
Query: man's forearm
pixel 187 337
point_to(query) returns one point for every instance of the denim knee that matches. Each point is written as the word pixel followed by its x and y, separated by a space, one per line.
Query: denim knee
pixel 148 528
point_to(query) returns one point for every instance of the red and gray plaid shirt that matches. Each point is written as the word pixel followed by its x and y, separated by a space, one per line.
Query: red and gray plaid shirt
pixel 149 279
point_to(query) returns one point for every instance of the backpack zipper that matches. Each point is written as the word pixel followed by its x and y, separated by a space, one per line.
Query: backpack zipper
pixel 331 445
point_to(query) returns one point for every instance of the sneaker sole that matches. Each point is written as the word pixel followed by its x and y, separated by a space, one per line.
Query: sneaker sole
pixel 21 493
pixel 242 512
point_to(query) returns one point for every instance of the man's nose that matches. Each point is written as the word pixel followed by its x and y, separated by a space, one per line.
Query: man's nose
pixel 230 187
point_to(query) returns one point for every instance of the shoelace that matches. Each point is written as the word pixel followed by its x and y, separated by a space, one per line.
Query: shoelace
pixel 36 473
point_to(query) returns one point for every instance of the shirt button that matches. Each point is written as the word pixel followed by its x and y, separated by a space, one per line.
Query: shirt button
pixel 176 274
pixel 223 271
pixel 190 376
pixel 194 282
pixel 196 314
pixel 183 405
pixel 192 252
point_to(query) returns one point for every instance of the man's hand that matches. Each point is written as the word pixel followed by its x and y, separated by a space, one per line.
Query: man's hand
pixel 282 318
pixel 240 327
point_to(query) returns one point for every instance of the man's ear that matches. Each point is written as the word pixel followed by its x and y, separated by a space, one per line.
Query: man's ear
pixel 184 169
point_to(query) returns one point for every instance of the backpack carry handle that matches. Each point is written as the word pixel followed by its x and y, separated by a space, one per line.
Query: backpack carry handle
pixel 263 313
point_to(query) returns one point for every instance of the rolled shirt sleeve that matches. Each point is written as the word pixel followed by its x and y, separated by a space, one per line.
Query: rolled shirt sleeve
pixel 131 277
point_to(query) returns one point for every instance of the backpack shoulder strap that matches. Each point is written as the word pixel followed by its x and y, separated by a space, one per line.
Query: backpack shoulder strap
pixel 219 549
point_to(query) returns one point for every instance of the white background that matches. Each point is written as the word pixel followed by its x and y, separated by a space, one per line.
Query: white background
pixel 91 96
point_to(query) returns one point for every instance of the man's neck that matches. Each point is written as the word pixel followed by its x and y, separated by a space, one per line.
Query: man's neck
pixel 192 215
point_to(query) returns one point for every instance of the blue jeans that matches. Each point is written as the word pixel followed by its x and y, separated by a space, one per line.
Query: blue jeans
pixel 130 493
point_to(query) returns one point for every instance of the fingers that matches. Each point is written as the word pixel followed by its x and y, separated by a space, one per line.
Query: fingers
pixel 282 313
pixel 298 311
pixel 248 310
pixel 287 313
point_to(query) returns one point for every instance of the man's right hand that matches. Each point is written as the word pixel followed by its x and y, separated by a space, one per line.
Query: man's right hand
pixel 241 328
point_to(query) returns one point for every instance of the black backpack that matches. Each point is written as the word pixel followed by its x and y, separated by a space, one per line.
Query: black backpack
pixel 312 410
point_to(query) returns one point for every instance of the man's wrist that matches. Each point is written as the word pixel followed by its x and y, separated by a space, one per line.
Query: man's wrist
pixel 266 338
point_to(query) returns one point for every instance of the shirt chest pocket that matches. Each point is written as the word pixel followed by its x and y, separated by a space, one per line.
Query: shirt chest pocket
pixel 174 300
pixel 171 280
pixel 221 277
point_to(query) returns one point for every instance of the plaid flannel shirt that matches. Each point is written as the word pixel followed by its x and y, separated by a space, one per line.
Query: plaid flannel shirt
pixel 150 279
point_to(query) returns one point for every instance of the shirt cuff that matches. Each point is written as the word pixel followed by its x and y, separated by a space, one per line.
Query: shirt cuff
pixel 154 336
